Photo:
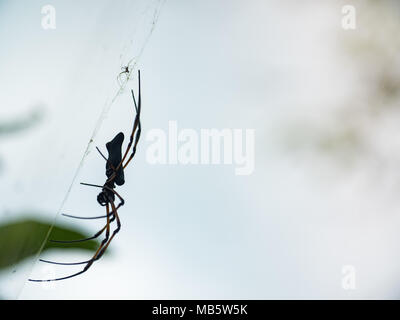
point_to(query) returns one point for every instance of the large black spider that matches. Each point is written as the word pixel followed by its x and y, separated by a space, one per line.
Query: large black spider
pixel 115 165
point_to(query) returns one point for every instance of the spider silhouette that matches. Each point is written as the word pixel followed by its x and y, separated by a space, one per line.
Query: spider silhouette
pixel 115 166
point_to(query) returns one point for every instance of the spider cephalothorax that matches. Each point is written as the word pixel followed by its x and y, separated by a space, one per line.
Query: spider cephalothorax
pixel 106 195
pixel 115 165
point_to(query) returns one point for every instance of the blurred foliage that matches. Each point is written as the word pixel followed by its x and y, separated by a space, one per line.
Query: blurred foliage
pixel 373 49
pixel 22 123
pixel 362 127
pixel 15 126
pixel 325 140
pixel 23 238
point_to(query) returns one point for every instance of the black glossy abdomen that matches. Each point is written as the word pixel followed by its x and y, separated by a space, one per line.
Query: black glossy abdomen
pixel 114 158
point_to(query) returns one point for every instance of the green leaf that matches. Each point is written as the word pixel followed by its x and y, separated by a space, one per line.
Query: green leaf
pixel 23 238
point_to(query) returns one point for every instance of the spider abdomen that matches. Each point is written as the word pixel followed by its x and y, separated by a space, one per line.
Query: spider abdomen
pixel 114 159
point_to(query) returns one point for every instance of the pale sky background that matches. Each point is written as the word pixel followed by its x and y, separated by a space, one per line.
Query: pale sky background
pixel 192 231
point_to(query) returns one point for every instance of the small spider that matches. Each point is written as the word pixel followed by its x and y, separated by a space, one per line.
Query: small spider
pixel 126 71
pixel 115 166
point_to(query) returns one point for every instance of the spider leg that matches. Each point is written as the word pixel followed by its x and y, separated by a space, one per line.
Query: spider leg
pixel 111 214
pixel 74 241
pixel 114 232
pixel 85 218
pixel 103 243
pixel 104 157
pixel 122 201
pixel 90 262
pixel 80 240
pixel 91 185
pixel 138 132
pixel 100 251
pixel 107 227
pixel 136 126
pixel 58 279
pixel 65 263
